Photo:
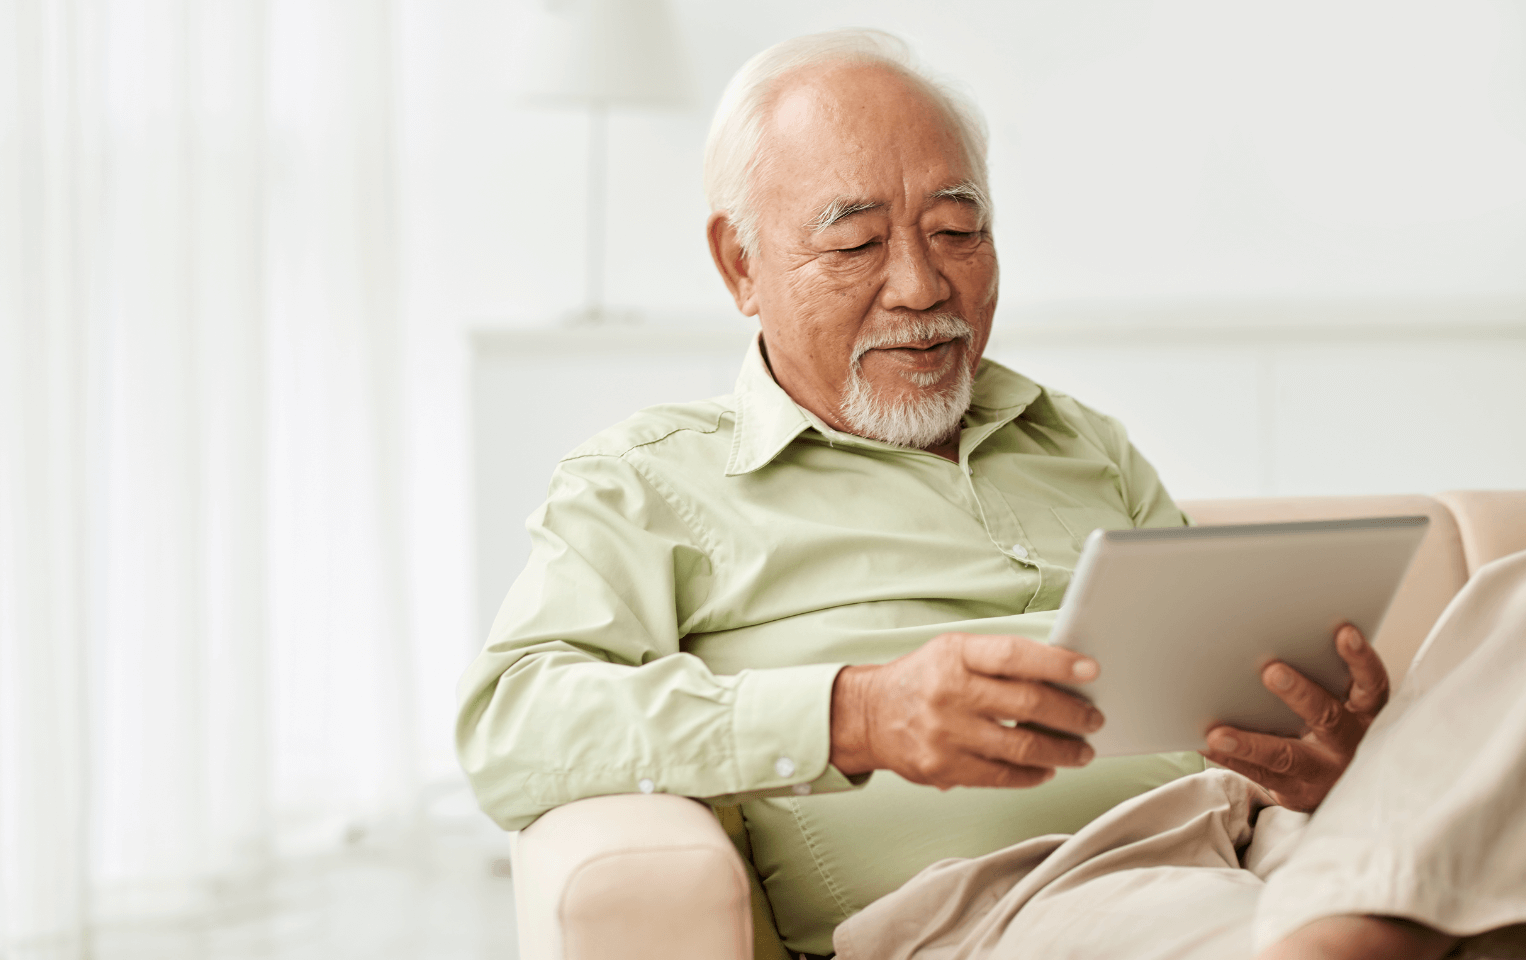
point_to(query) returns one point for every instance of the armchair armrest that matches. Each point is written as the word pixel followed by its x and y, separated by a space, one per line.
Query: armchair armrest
pixel 635 876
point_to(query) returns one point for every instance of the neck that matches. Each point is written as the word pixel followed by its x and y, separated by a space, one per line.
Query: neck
pixel 948 449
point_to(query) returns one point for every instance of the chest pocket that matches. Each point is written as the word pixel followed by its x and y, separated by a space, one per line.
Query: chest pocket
pixel 1080 521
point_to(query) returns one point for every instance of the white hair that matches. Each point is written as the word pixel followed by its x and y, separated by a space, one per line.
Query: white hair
pixel 731 151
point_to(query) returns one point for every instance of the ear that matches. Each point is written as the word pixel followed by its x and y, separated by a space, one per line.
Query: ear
pixel 734 265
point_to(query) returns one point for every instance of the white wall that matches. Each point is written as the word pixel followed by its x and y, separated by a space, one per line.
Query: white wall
pixel 1318 204
pixel 1141 151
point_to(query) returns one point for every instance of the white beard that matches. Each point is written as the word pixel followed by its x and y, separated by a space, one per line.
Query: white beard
pixel 920 421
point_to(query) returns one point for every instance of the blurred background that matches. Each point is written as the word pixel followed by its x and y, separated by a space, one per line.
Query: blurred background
pixel 300 301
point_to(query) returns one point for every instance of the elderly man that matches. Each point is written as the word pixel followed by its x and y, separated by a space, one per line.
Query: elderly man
pixel 845 567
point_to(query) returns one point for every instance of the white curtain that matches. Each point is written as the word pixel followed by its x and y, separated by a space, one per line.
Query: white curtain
pixel 206 659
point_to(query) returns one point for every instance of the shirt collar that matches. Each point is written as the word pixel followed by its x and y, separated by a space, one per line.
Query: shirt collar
pixel 767 420
pixel 1002 395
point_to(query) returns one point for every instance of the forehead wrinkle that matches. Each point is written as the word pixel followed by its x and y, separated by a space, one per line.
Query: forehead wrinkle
pixel 838 209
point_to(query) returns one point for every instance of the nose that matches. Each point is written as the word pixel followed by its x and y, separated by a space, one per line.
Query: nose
pixel 912 280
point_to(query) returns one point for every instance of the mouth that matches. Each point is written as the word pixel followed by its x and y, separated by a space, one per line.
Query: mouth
pixel 923 350
pixel 921 346
pixel 920 355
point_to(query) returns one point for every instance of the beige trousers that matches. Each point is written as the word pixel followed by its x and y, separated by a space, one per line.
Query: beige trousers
pixel 1428 823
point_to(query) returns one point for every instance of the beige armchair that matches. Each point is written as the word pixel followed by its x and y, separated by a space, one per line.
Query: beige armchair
pixel 632 875
pixel 655 877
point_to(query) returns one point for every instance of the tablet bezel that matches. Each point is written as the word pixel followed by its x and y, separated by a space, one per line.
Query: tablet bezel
pixel 1194 658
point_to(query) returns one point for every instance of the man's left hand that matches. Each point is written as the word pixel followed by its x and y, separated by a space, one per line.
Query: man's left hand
pixel 1299 772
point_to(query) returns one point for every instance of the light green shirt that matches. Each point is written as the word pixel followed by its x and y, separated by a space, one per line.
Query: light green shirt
pixel 701 572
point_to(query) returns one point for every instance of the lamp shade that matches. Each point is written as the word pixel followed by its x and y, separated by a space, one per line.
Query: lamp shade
pixel 599 52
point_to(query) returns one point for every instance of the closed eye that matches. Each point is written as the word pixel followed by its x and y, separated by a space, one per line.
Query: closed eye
pixel 863 246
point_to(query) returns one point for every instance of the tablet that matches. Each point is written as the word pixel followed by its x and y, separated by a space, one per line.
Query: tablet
pixel 1182 620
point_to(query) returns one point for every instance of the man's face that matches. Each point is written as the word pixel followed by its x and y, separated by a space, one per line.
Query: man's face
pixel 871 252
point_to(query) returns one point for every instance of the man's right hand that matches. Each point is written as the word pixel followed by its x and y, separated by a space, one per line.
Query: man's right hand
pixel 934 716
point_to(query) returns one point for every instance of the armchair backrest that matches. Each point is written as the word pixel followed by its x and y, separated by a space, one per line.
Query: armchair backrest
pixel 1492 523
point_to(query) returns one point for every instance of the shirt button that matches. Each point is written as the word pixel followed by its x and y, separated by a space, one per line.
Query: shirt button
pixel 969 470
pixel 801 789
pixel 646 785
pixel 1019 551
pixel 784 767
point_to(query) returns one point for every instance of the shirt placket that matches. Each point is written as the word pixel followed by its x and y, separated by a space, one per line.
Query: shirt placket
pixel 1007 534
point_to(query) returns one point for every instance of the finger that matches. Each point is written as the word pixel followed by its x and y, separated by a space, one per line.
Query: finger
pixel 1029 702
pixel 994 773
pixel 1326 716
pixel 1289 768
pixel 1019 658
pixel 1290 793
pixel 975 771
pixel 1369 677
pixel 1027 747
pixel 1282 756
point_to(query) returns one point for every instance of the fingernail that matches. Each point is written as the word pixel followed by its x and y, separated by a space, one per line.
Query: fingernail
pixel 1084 670
pixel 1352 639
pixel 1282 678
pixel 1094 721
pixel 1224 743
pixel 1087 753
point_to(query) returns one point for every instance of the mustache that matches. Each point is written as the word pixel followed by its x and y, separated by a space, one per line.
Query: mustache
pixel 937 326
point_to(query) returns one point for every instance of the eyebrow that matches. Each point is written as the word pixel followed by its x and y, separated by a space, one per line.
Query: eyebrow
pixel 965 191
pixel 838 209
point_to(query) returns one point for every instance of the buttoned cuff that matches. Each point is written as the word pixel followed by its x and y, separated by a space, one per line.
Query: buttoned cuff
pixel 782 730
